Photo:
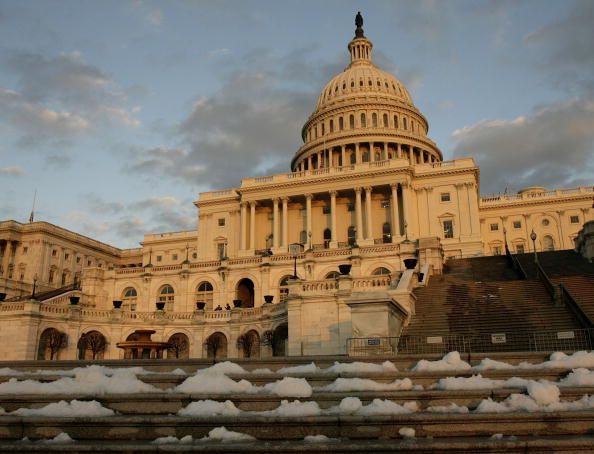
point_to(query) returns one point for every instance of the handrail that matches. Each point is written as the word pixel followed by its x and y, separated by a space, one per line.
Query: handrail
pixel 568 299
pixel 550 287
pixel 515 263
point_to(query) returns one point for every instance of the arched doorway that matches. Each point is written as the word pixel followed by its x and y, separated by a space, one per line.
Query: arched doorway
pixel 245 292
pixel 51 343
pixel 248 344
pixel 91 345
pixel 179 346
pixel 548 244
pixel 216 346
pixel 280 338
pixel 327 238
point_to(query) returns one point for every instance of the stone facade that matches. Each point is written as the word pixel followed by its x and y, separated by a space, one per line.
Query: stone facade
pixel 368 189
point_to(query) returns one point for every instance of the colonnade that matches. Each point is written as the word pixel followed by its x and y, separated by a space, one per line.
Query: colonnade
pixel 399 200
pixel 336 156
pixel 9 251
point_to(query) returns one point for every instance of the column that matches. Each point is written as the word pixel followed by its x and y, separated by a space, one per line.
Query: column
pixel 357 154
pixel 252 225
pixel 308 198
pixel 473 207
pixel 6 257
pixel 371 152
pixel 411 155
pixel 275 220
pixel 428 191
pixel 399 150
pixel 385 150
pixel 343 155
pixel 285 220
pixel 560 214
pixel 309 164
pixel 368 190
pixel 406 205
pixel 320 159
pixel 358 215
pixel 243 238
pixel 395 217
pixel 333 238
pixel 464 225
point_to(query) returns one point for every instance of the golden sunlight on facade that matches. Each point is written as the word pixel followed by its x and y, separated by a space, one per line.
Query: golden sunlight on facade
pixel 368 191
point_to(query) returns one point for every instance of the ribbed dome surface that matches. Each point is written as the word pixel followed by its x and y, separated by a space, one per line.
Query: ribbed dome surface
pixel 363 78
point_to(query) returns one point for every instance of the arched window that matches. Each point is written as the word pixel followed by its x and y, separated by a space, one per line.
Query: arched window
pixel 386 233
pixel 283 288
pixel 248 344
pixel 332 275
pixel 404 123
pixel 385 125
pixel 374 120
pixel 51 343
pixel 245 292
pixel 548 244
pixel 351 121
pixel 381 271
pixel 363 121
pixel 91 345
pixel 340 123
pixel 129 297
pixel 396 121
pixel 167 296
pixel 216 346
pixel 179 346
pixel 323 128
pixel 331 125
pixel 351 235
pixel 327 238
pixel 205 292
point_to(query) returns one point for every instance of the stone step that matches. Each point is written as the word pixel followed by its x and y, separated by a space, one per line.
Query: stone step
pixel 168 403
pixel 148 428
pixel 535 445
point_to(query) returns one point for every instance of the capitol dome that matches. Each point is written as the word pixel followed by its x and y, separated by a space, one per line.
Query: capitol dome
pixel 364 114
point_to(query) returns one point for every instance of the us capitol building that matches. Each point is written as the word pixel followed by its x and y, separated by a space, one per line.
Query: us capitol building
pixel 367 189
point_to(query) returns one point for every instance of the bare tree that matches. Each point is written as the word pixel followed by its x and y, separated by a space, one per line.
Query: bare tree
pixel 178 345
pixel 213 344
pixel 55 341
pixel 275 339
pixel 247 343
pixel 93 341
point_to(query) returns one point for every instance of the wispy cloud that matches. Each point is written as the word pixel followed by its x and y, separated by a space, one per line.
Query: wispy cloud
pixel 12 171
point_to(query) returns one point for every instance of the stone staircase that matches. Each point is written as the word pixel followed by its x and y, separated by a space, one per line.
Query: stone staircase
pixel 143 417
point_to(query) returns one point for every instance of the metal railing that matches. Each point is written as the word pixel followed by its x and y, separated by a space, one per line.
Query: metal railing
pixel 539 341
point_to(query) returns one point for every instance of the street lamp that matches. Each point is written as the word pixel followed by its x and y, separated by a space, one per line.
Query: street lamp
pixel 34 284
pixel 295 249
pixel 533 238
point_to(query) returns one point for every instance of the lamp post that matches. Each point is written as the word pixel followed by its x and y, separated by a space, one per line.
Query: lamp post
pixel 294 250
pixel 35 277
pixel 533 238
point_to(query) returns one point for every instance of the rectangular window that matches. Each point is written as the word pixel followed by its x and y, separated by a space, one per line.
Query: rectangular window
pixel 174 257
pixel 448 229
pixel 54 252
pixel 159 258
pixel 25 249
pixel 445 196
pixel 519 248
pixel 221 222
pixel 497 250
pixel 77 259
pixel 194 255
pixel 517 224
pixel 574 219
pixel 88 263
pixel 494 227
pixel 326 210
pixel 66 256
pixel 351 207
pixel 221 250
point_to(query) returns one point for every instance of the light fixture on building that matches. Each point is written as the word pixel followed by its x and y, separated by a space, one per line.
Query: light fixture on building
pixel 295 249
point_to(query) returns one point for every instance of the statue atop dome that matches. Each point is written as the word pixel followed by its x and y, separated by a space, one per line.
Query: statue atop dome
pixel 359 24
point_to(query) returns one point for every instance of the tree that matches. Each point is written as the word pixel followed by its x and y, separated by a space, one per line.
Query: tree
pixel 178 345
pixel 214 344
pixel 54 342
pixel 248 344
pixel 93 341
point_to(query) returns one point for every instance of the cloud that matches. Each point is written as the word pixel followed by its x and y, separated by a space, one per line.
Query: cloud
pixel 150 14
pixel 58 98
pixel 543 148
pixel 12 171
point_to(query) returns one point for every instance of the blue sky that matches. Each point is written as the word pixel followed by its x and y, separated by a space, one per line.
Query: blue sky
pixel 120 112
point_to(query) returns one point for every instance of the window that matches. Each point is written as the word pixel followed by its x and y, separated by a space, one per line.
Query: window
pixel 283 288
pixel 386 232
pixel 54 252
pixel 167 296
pixel 332 275
pixel 327 238
pixel 351 207
pixel 129 297
pixel 352 121
pixel 517 224
pixel 174 257
pixel 326 210
pixel 88 263
pixel 494 227
pixel 324 127
pixel 363 121
pixel 25 249
pixel 545 222
pixel 396 121
pixel 519 248
pixel 381 271
pixel 385 118
pixel 340 123
pixel 374 120
pixel 548 244
pixel 159 258
pixel 448 229
pixel 496 250
pixel 221 222
pixel 205 292
pixel 66 256
pixel 404 123
pixel 222 250
pixel 445 196
pixel 194 255
pixel 385 203
pixel 574 219
pixel 51 276
pixel 331 125
pixel 351 235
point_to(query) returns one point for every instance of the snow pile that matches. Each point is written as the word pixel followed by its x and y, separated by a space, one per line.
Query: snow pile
pixel 363 384
pixel 491 364
pixel 224 368
pixel 210 408
pixel 358 367
pixel 265 370
pixel 451 361
pixel 91 380
pixel 60 438
pixel 478 382
pixel 178 371
pixel 172 440
pixel 576 360
pixel 543 392
pixel 407 432
pixel 578 377
pixel 293 409
pixel 224 435
pixel 75 408
pixel 289 387
pixel 305 369
pixel 8 372
pixel 354 406
pixel 452 408
pixel 317 439
pixel 213 380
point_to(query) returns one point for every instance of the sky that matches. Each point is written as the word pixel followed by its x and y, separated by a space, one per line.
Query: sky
pixel 120 112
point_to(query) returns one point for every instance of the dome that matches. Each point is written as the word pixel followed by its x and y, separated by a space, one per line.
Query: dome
pixel 364 114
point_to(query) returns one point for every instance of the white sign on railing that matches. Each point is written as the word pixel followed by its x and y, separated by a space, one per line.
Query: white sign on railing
pixel 435 340
pixel 565 335
pixel 498 338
